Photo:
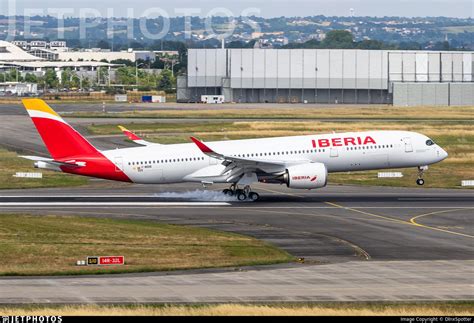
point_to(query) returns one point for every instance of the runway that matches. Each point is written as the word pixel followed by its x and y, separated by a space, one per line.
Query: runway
pixel 359 244
pixel 334 224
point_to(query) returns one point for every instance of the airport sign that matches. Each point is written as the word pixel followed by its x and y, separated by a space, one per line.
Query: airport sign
pixel 115 260
pixel 105 261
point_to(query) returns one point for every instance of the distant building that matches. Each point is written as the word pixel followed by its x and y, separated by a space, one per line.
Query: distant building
pixel 10 52
pixel 38 44
pixel 164 53
pixel 335 76
pixel 47 54
pixel 18 89
pixel 100 55
pixel 14 57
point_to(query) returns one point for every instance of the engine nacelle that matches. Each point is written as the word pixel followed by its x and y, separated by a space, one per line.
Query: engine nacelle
pixel 306 176
pixel 46 165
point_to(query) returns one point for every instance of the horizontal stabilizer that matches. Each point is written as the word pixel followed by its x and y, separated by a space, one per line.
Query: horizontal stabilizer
pixel 133 137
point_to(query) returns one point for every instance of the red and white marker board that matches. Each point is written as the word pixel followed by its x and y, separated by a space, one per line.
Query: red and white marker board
pixel 106 261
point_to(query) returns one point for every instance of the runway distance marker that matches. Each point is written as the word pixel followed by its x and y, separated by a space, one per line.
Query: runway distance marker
pixel 92 261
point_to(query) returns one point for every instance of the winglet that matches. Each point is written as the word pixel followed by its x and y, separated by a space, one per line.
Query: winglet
pixel 129 134
pixel 202 146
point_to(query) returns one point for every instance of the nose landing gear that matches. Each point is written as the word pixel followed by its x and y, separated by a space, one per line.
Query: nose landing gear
pixel 242 194
pixel 421 170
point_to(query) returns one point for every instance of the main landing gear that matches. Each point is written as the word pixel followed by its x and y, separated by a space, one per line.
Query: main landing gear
pixel 421 169
pixel 242 194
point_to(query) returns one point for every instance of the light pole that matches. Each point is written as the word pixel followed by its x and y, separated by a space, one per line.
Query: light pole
pixel 136 70
pixel 173 63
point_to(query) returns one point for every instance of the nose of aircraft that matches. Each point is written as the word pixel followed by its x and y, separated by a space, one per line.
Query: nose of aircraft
pixel 442 154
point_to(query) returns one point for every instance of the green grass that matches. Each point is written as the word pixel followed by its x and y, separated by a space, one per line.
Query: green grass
pixel 457 138
pixel 51 245
pixel 10 164
pixel 464 113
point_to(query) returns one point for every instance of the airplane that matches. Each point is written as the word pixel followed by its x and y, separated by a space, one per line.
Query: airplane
pixel 133 137
pixel 299 162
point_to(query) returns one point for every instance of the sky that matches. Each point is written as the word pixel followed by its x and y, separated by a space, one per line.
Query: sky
pixel 263 8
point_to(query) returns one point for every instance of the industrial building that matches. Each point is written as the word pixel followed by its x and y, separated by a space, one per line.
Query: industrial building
pixel 100 55
pixel 14 57
pixel 334 76
pixel 18 89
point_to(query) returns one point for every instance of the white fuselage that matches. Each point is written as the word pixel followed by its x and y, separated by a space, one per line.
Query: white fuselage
pixel 339 152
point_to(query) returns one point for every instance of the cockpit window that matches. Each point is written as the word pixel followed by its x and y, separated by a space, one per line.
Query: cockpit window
pixel 430 142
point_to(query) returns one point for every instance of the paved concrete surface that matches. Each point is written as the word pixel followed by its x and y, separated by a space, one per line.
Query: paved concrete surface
pixel 352 281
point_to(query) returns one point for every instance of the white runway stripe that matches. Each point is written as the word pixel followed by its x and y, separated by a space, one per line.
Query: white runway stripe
pixel 80 204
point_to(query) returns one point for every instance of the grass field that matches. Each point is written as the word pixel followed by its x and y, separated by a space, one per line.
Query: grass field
pixel 456 137
pixel 10 164
pixel 320 112
pixel 51 245
pixel 324 309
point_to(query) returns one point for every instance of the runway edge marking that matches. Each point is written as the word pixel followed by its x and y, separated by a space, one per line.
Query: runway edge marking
pixel 39 204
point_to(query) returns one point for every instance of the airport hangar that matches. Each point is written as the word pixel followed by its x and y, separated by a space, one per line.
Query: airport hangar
pixel 338 76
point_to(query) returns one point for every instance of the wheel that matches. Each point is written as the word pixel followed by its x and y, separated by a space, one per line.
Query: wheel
pixel 254 196
pixel 420 181
pixel 228 192
pixel 242 197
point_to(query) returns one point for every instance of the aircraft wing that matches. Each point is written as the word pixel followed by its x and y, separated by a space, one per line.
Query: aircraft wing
pixel 133 137
pixel 236 167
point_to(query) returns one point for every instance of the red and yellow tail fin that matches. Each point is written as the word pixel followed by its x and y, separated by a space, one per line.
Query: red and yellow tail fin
pixel 130 135
pixel 61 140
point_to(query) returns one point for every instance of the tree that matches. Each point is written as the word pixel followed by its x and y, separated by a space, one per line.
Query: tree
pixel 121 61
pixel 444 45
pixel 158 64
pixel 126 75
pixel 103 74
pixel 51 79
pixel 66 76
pixel 136 45
pixel 409 46
pixel 338 39
pixel 103 44
pixel 166 81
pixel 13 75
pixel 370 44
pixel 310 44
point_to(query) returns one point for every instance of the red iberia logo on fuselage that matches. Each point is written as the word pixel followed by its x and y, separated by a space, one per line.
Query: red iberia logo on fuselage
pixel 346 141
pixel 302 178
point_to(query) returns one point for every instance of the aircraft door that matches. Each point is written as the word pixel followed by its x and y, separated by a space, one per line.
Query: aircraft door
pixel 118 164
pixel 408 145
pixel 334 152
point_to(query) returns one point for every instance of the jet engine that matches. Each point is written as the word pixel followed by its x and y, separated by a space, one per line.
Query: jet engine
pixel 306 176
